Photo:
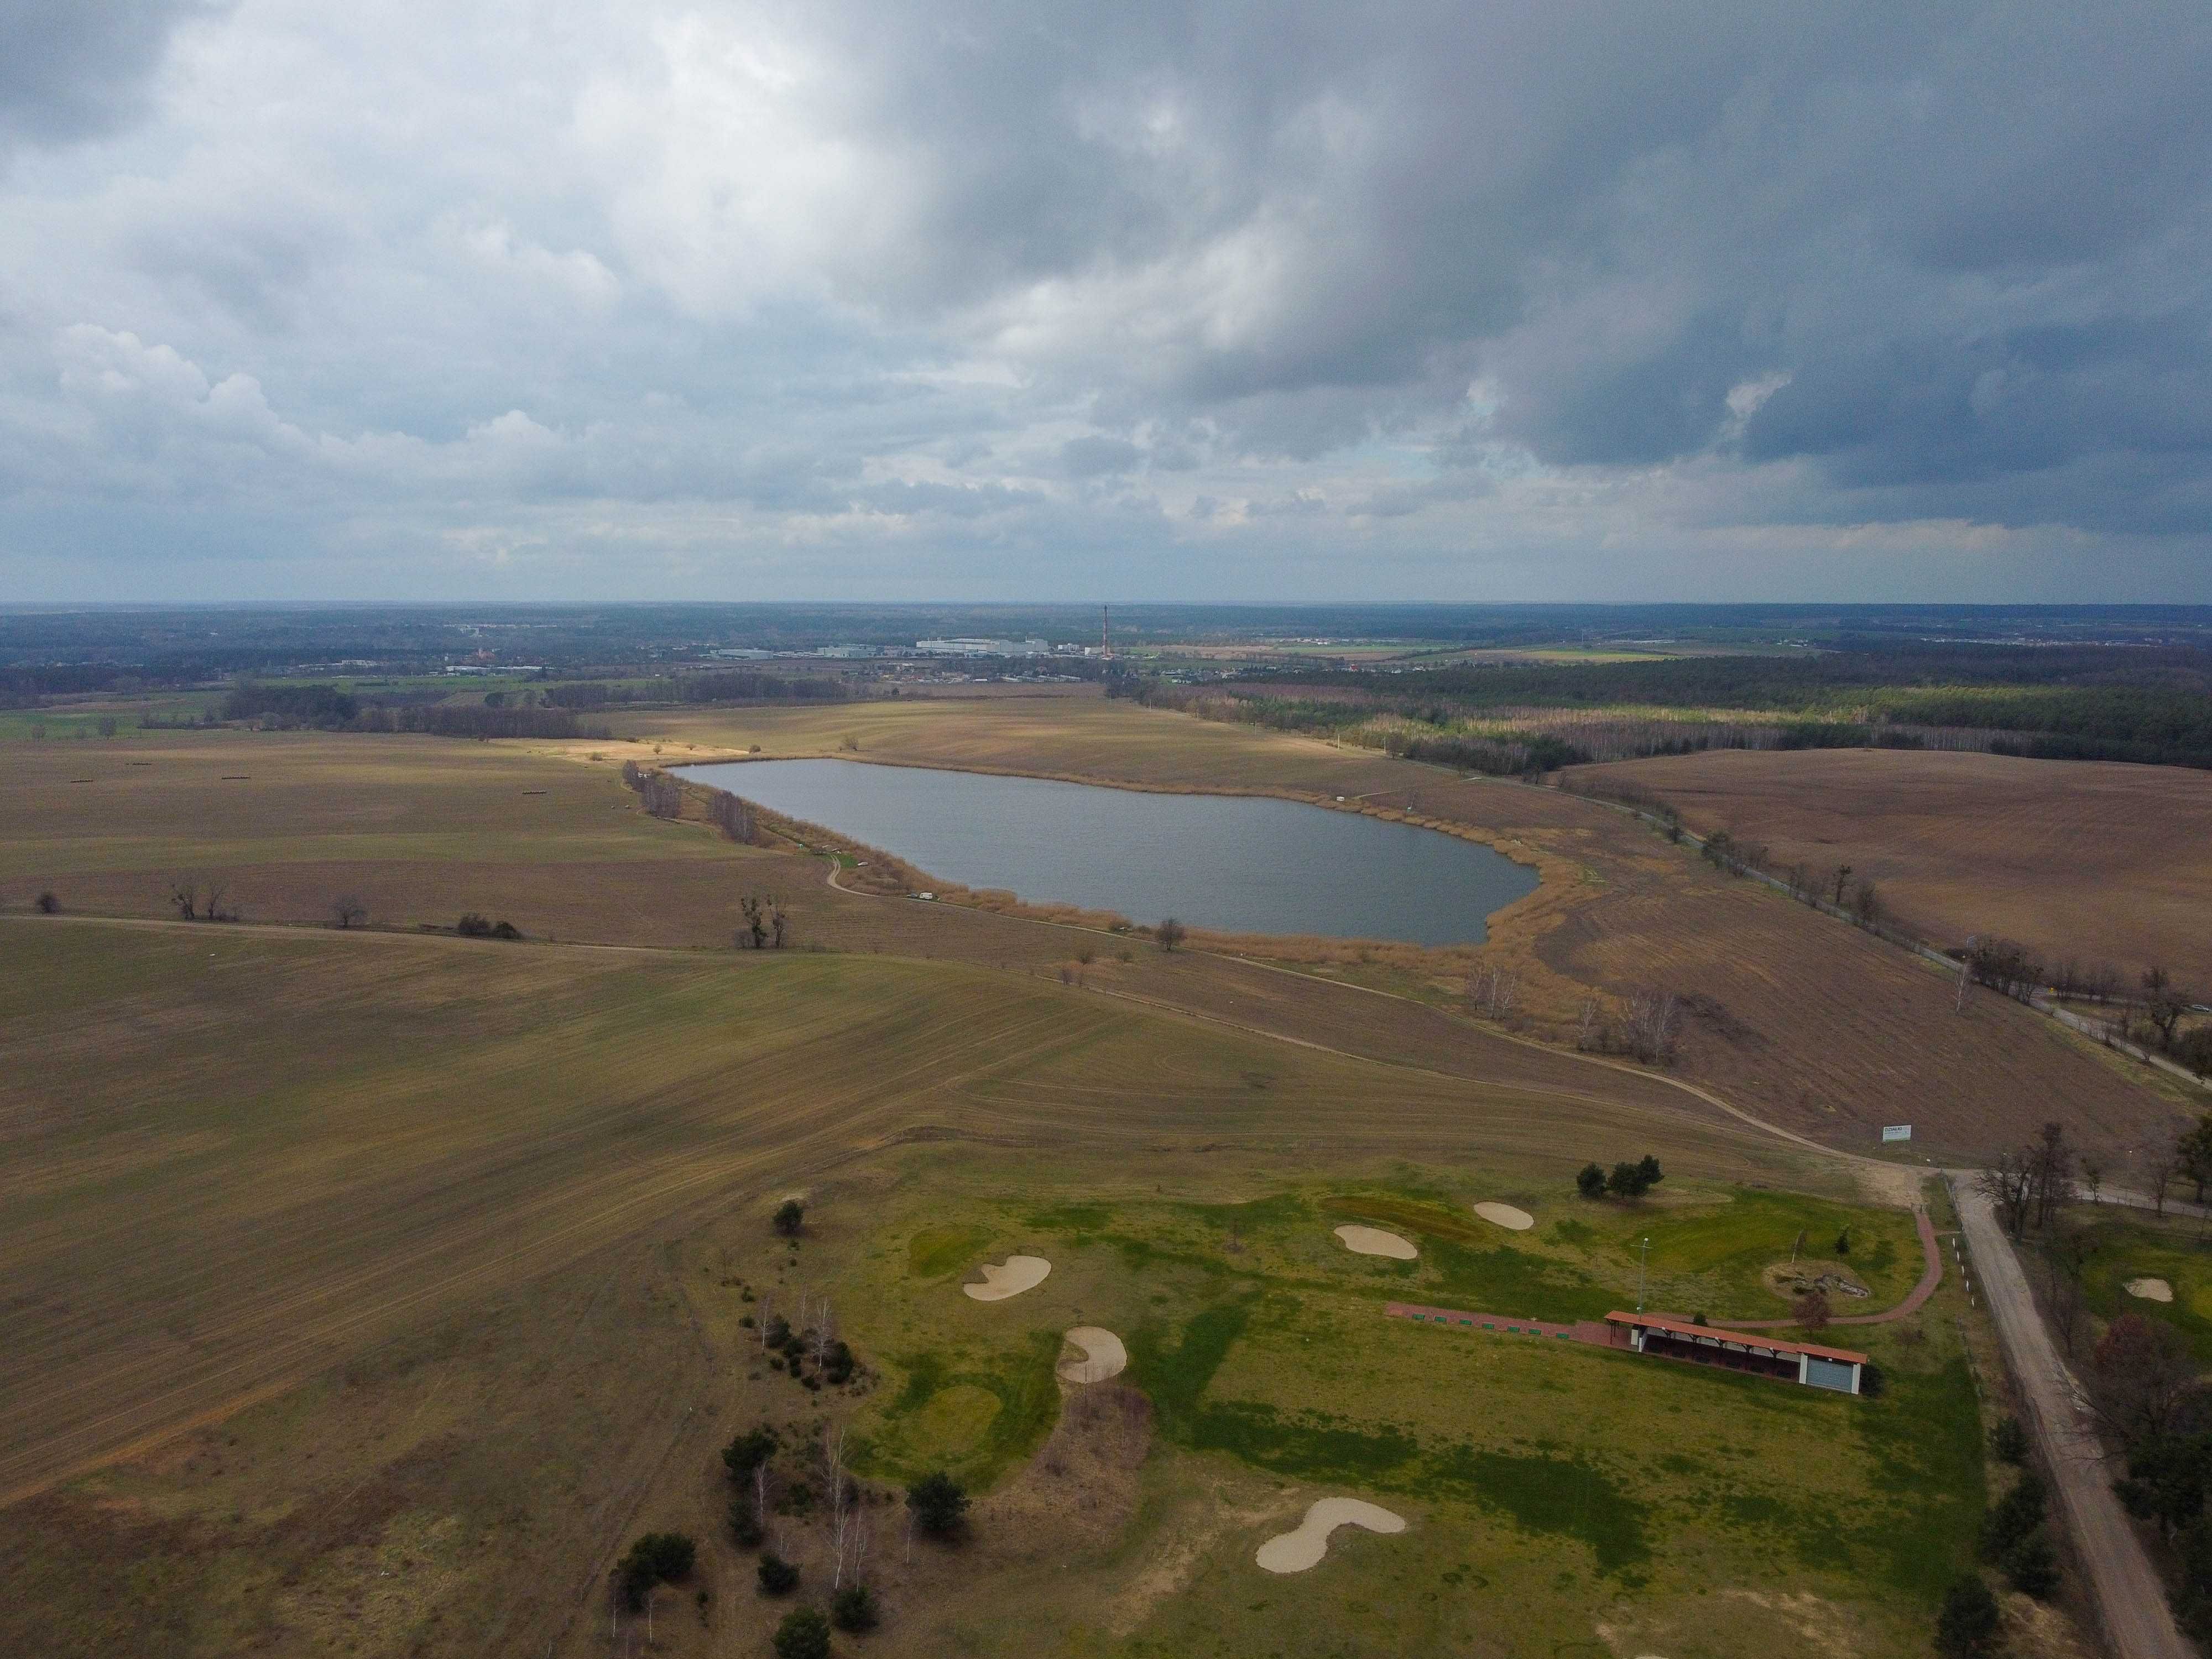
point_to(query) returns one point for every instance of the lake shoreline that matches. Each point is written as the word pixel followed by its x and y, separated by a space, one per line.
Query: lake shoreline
pixel 1241 864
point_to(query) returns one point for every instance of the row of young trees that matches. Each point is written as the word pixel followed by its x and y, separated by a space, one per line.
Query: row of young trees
pixel 1626 1180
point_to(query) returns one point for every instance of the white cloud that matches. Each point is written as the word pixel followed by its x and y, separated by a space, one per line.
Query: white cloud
pixel 705 296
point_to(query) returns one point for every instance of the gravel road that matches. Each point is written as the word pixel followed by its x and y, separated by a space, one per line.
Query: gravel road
pixel 2130 1599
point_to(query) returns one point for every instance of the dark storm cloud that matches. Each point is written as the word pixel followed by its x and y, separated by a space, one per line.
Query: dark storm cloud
pixel 1218 285
pixel 70 68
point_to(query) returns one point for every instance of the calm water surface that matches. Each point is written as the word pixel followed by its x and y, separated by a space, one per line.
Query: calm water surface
pixel 1239 863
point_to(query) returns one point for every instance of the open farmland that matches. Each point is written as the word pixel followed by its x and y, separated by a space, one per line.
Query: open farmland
pixel 2090 861
pixel 361 1217
pixel 1805 1021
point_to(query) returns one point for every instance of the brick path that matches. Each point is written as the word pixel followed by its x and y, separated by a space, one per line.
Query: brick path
pixel 1931 1277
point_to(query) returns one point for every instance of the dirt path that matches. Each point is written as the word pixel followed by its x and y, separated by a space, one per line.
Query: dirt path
pixel 2130 1599
pixel 1931 1275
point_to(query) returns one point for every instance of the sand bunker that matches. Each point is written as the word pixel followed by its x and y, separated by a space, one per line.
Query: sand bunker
pixel 2151 1289
pixel 1504 1215
pixel 1104 1356
pixel 1295 1552
pixel 1021 1272
pixel 1373 1240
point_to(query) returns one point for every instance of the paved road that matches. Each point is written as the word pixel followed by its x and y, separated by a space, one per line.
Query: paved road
pixel 2130 1598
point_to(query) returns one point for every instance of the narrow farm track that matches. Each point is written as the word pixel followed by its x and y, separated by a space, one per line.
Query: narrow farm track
pixel 238 1156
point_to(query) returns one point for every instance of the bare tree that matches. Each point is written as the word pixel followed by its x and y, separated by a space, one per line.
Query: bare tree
pixel 1866 902
pixel 1811 1311
pixel 1840 879
pixel 2005 965
pixel 185 896
pixel 779 925
pixel 2009 1185
pixel 1588 1023
pixel 2093 1178
pixel 1653 1020
pixel 348 911
pixel 216 906
pixel 2192 1151
pixel 2050 1171
pixel 2164 1004
pixel 2160 1162
pixel 2065 1258
pixel 1492 991
pixel 755 931
pixel 2141 1375
pixel 1170 933
pixel 731 816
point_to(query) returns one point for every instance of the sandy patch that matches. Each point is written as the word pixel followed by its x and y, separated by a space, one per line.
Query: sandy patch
pixel 1504 1215
pixel 1373 1240
pixel 1104 1356
pixel 1295 1552
pixel 1021 1272
pixel 2151 1289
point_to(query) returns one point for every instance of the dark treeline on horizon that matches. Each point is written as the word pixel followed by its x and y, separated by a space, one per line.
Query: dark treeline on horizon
pixel 179 645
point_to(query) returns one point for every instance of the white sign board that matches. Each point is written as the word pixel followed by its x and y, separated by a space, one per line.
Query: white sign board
pixel 1895 1131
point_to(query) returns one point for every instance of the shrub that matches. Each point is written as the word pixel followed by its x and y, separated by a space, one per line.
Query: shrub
pixel 790 1217
pixel 655 1557
pixel 1873 1382
pixel 2015 1515
pixel 940 1505
pixel 777 1576
pixel 854 1608
pixel 1844 1241
pixel 2033 1565
pixel 472 925
pixel 804 1634
pixel 837 1364
pixel 505 930
pixel 748 1451
pixel 48 903
pixel 2009 1440
pixel 746 1531
pixel 1969 1618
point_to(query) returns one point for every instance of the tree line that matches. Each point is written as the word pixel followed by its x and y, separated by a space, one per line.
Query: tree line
pixel 325 708
pixel 733 685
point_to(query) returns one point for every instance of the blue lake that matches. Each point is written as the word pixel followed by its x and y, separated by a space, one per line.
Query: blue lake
pixel 1237 863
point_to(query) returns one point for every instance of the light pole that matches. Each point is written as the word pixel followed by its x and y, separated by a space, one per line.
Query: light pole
pixel 1643 1256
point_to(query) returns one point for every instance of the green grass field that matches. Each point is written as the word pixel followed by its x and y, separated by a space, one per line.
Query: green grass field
pixel 1569 1488
pixel 2176 1251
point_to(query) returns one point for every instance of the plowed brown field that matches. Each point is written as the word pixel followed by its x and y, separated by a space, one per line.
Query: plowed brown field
pixel 235 1158
pixel 2085 860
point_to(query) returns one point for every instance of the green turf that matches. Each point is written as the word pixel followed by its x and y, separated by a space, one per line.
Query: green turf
pixel 2121 1251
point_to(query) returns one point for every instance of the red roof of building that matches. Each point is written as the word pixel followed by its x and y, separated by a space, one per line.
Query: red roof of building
pixel 1773 1343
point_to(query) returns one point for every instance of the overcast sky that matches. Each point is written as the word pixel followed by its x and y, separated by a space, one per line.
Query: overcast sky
pixel 933 298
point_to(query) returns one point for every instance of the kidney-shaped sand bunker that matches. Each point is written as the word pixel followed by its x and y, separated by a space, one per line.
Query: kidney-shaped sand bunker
pixel 1021 1272
pixel 1296 1550
pixel 1373 1240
